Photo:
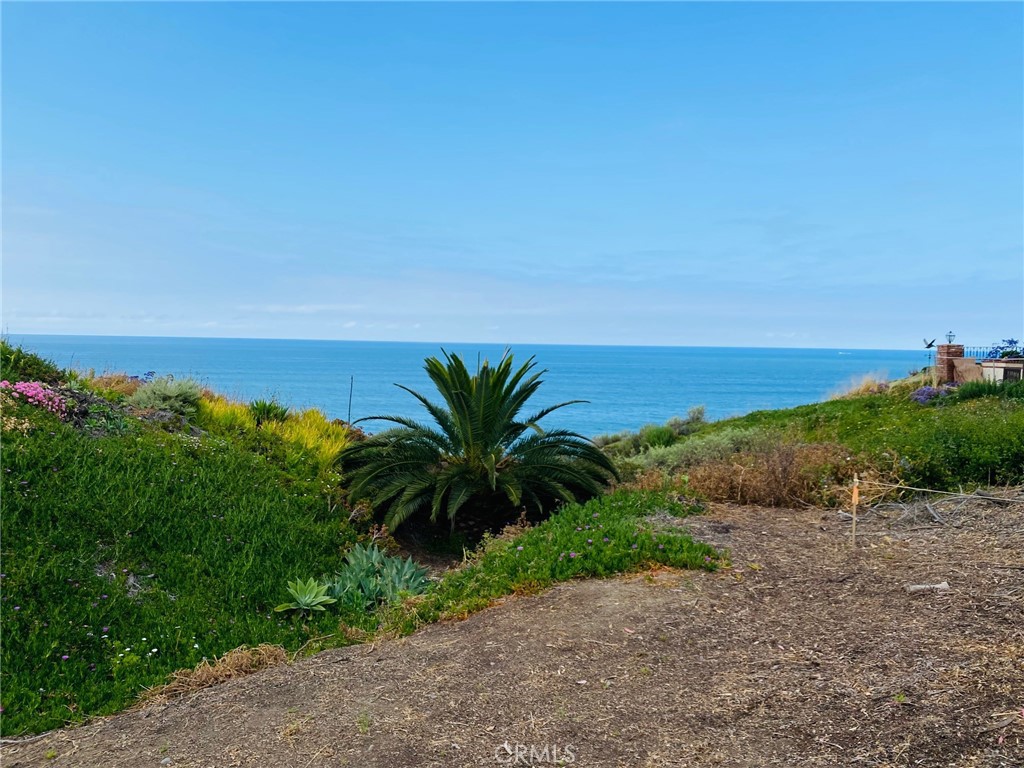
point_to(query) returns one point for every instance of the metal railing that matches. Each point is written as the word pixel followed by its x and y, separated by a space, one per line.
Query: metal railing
pixel 980 353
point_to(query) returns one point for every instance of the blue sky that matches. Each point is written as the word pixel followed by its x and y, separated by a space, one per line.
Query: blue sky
pixel 804 174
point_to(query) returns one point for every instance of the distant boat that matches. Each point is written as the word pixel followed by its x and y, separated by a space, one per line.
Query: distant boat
pixel 846 353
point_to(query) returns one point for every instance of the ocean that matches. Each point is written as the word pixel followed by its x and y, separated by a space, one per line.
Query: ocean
pixel 626 387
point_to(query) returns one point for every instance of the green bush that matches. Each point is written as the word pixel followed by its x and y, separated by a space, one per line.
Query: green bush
pixel 700 449
pixel 625 444
pixel 695 419
pixel 655 436
pixel 18 364
pixel 180 396
pixel 975 389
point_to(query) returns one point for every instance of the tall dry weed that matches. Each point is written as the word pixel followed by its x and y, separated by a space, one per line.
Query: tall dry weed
pixel 782 475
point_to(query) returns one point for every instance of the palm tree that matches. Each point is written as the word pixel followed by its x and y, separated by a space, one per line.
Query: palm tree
pixel 478 456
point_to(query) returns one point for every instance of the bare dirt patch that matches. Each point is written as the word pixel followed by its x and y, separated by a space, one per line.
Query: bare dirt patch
pixel 805 652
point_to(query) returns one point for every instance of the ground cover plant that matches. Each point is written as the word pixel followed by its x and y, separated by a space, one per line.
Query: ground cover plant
pixel 128 557
pixel 620 532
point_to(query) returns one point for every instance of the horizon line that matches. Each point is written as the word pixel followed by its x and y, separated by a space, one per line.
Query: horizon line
pixel 7 334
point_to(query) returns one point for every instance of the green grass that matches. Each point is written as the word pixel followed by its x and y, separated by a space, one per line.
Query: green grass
pixel 168 542
pixel 612 534
pixel 941 446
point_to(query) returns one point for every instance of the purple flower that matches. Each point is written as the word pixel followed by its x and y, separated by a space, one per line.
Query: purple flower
pixel 605 539
pixel 661 546
pixel 106 629
pixel 633 547
pixel 594 515
pixel 590 541
pixel 65 657
pixel 17 607
pixel 519 549
pixel 572 554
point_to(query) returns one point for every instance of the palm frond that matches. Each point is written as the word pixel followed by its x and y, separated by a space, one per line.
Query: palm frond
pixel 480 456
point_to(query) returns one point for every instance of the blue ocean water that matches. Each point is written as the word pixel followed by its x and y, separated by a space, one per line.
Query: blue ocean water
pixel 626 387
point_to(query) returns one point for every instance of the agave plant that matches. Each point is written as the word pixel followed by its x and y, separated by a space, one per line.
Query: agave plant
pixel 309 595
pixel 370 577
pixel 479 455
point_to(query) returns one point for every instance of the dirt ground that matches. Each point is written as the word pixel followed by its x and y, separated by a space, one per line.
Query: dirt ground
pixel 805 652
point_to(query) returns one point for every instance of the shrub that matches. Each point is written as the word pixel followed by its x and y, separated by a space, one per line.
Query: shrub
pixel 700 449
pixel 310 439
pixel 695 419
pixel 180 396
pixel 113 386
pixel 625 444
pixel 224 417
pixel 925 395
pixel 972 390
pixel 655 436
pixel 17 364
pixel 782 474
pixel 1008 348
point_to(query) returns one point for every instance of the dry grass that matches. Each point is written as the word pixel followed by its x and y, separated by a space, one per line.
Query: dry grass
pixel 868 384
pixel 114 383
pixel 813 473
pixel 237 663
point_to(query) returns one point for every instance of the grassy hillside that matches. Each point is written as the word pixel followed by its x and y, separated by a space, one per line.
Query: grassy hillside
pixel 149 525
pixel 128 557
pixel 956 438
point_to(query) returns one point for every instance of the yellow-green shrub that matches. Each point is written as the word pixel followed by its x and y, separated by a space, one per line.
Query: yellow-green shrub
pixel 310 436
pixel 219 415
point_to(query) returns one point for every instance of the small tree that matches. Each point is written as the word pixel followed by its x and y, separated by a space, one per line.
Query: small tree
pixel 479 456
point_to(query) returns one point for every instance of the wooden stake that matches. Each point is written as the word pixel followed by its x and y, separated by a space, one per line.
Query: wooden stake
pixel 853 513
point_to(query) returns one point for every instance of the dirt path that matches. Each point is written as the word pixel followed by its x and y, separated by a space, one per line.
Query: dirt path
pixel 804 653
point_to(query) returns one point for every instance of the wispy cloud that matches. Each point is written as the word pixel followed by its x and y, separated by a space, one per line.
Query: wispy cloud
pixel 300 309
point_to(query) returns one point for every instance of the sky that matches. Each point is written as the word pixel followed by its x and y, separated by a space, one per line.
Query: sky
pixel 728 174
